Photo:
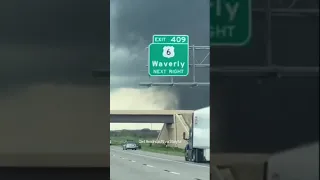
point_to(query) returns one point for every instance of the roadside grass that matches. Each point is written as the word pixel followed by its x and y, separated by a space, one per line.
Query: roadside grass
pixel 156 148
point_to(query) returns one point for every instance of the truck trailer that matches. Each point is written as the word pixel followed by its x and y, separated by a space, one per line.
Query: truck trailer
pixel 198 147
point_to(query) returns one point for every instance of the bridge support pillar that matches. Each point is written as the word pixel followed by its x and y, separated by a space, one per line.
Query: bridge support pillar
pixel 173 132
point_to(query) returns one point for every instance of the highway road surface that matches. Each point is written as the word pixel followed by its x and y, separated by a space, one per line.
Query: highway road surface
pixel 141 165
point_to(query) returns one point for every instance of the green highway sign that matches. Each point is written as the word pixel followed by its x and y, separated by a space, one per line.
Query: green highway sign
pixel 169 55
pixel 230 22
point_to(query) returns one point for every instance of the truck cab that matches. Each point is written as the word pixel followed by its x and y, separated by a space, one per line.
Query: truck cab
pixel 198 146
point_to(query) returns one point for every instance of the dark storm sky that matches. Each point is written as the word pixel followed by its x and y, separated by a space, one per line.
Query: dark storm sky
pixel 52 41
pixel 132 25
pixel 48 100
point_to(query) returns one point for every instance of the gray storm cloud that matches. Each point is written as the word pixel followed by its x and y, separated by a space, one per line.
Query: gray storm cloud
pixel 142 99
pixel 132 25
pixel 125 93
pixel 143 18
pixel 49 101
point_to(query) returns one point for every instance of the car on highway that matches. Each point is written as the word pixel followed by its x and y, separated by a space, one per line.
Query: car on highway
pixel 110 142
pixel 130 145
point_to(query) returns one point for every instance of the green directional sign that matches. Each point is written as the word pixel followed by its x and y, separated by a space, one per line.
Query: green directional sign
pixel 169 55
pixel 230 22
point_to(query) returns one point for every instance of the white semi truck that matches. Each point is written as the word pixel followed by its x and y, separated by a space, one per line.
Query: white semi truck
pixel 198 147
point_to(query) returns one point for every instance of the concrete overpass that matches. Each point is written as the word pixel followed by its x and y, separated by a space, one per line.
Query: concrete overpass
pixel 175 122
pixel 145 116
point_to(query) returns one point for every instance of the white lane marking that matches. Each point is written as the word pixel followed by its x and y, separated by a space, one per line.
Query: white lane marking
pixel 132 161
pixel 172 172
pixel 163 159
pixel 148 165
